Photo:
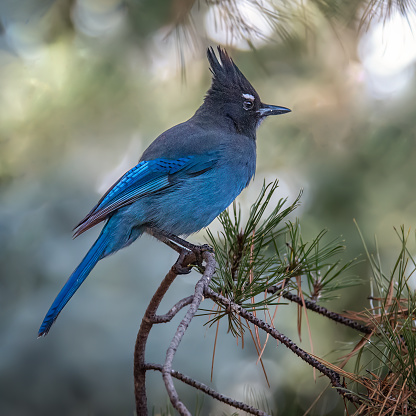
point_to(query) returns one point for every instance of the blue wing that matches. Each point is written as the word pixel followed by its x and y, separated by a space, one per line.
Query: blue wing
pixel 145 178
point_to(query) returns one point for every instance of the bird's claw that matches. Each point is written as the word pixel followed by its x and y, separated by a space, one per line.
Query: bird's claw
pixel 198 252
pixel 179 269
pixel 206 247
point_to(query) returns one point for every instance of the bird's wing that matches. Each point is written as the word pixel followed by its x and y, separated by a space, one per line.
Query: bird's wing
pixel 145 178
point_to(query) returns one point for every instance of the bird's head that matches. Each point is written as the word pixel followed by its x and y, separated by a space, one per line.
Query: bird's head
pixel 232 96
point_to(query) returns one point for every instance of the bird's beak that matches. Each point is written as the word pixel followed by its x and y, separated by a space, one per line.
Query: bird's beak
pixel 271 110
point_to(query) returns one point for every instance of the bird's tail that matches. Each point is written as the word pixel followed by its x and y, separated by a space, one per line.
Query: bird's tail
pixel 74 282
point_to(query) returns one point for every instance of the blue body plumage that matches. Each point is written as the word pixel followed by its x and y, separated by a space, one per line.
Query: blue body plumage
pixel 185 178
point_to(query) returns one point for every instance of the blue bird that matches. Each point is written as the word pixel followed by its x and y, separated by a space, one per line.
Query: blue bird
pixel 186 177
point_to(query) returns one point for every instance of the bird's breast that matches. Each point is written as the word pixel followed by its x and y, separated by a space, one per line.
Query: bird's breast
pixel 195 201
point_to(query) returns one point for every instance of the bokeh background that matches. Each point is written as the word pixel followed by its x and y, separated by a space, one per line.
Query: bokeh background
pixel 86 85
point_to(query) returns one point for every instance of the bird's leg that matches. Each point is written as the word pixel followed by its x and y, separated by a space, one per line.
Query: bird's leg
pixel 174 242
pixel 178 244
pixel 184 263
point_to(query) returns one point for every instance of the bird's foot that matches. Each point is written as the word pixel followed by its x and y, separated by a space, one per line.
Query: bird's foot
pixel 205 247
pixel 185 262
pixel 181 269
pixel 198 252
pixel 189 254
pixel 189 258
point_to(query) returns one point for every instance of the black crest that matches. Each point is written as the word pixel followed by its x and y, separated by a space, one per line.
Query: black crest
pixel 227 78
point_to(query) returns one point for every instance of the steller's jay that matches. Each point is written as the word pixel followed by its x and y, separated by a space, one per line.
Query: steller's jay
pixel 185 178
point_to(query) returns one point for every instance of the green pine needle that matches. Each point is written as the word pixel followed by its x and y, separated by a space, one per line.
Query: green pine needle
pixel 268 251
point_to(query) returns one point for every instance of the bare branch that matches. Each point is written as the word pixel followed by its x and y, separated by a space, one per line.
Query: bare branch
pixel 146 325
pixel 160 319
pixel 314 307
pixel 327 313
pixel 180 332
pixel 207 390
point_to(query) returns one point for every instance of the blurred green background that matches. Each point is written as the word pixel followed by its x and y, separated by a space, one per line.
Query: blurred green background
pixel 86 85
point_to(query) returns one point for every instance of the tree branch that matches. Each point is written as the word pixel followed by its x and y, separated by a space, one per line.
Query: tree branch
pixel 207 390
pixel 150 318
pixel 327 313
pixel 180 332
pixel 314 307
pixel 160 319
pixel 147 323
pixel 333 376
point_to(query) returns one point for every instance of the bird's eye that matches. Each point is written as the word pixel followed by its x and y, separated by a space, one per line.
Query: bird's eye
pixel 248 104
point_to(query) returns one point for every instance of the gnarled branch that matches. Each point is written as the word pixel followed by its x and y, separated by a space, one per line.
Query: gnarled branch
pixel 200 287
pixel 331 374
pixel 209 391
pixel 148 321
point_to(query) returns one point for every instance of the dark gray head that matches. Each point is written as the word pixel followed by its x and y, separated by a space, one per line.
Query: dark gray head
pixel 232 96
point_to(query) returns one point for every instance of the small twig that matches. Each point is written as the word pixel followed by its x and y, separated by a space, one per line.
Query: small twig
pixel 329 314
pixel 322 311
pixel 332 375
pixel 207 390
pixel 180 332
pixel 160 319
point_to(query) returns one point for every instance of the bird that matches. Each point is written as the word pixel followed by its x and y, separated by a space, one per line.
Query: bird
pixel 185 178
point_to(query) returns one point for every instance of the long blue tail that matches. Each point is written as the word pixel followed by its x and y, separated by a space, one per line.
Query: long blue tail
pixel 74 282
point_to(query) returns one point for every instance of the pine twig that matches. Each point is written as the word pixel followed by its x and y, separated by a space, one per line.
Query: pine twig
pixel 167 317
pixel 323 311
pixel 333 376
pixel 207 390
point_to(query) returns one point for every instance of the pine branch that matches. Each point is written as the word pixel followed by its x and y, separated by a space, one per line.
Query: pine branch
pixel 207 390
pixel 180 332
pixel 147 323
pixel 314 307
pixel 333 376
pixel 167 317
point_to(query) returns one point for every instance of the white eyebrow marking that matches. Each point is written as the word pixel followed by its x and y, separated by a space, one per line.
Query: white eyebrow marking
pixel 248 97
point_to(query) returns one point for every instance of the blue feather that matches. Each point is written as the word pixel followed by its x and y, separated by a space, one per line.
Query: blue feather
pixel 74 282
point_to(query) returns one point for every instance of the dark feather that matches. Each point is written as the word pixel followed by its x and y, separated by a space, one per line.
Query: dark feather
pixel 227 78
